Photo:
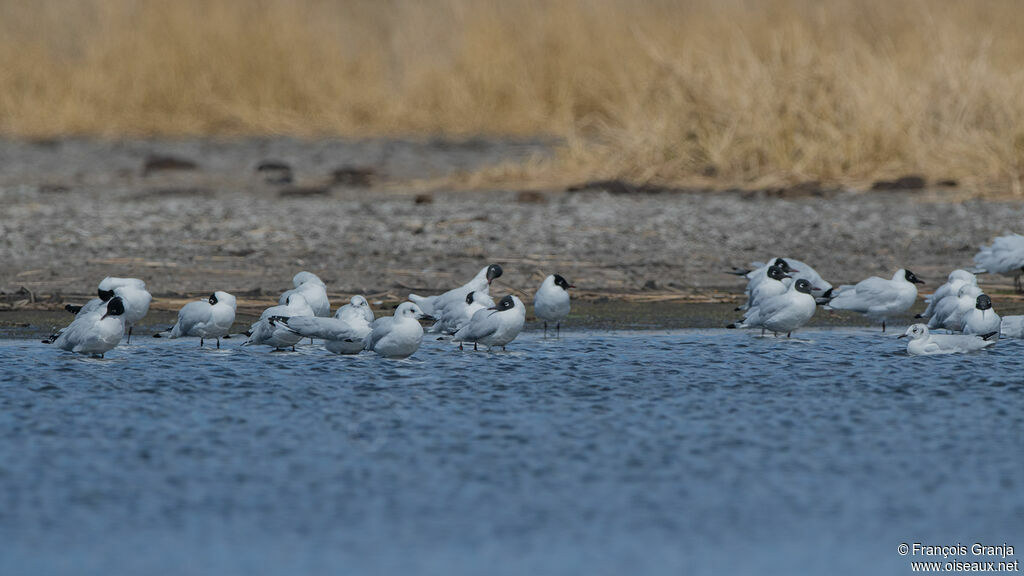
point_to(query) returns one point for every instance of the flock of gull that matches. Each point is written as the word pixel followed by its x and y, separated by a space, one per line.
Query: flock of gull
pixel 782 296
pixel 466 315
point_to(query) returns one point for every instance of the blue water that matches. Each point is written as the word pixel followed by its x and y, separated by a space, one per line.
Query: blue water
pixel 601 453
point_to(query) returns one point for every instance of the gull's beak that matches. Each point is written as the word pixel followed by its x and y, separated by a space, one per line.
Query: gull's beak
pixel 572 285
pixel 901 336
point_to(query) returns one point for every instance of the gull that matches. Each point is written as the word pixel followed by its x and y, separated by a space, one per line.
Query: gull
pixel 551 303
pixel 494 326
pixel 878 298
pixel 209 318
pixel 268 333
pixel 1012 327
pixel 981 319
pixel 455 316
pixel 957 280
pixel 134 296
pixel 923 343
pixel 313 290
pixel 773 284
pixel 783 313
pixel 950 313
pixel 435 305
pixel 345 333
pixel 342 336
pixel 398 336
pixel 95 332
pixel 790 266
pixel 357 305
pixel 1005 256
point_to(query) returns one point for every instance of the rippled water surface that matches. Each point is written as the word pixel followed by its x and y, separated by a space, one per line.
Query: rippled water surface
pixel 600 453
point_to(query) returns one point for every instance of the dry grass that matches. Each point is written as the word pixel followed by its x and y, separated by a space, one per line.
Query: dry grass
pixel 683 92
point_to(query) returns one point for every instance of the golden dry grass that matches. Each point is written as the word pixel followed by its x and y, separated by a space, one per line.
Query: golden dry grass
pixel 686 92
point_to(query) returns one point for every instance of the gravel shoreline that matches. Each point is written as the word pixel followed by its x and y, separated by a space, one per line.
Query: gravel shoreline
pixel 75 211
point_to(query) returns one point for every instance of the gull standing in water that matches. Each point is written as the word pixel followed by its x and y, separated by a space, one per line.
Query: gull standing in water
pixel 1005 256
pixel 274 334
pixel 1012 327
pixel 950 313
pixel 435 305
pixel 794 268
pixel 345 333
pixel 957 280
pixel 134 296
pixel 494 326
pixel 878 298
pixel 981 319
pixel 209 318
pixel 773 284
pixel 551 303
pixel 356 305
pixel 784 313
pixel 313 290
pixel 398 336
pixel 95 332
pixel 455 316
pixel 924 343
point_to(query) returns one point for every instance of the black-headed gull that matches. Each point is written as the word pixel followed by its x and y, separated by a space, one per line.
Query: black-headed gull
pixel 924 343
pixel 981 319
pixel 957 279
pixel 878 298
pixel 794 268
pixel 773 283
pixel 134 296
pixel 313 290
pixel 435 305
pixel 783 313
pixel 276 335
pixel 398 336
pixel 1004 256
pixel 208 318
pixel 455 315
pixel 551 303
pixel 494 326
pixel 95 332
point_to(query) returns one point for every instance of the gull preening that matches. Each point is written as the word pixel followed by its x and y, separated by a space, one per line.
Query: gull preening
pixel 134 296
pixel 951 289
pixel 398 336
pixel 950 313
pixel 95 332
pixel 877 298
pixel 783 313
pixel 313 289
pixel 205 319
pixel 494 326
pixel 278 335
pixel 924 343
pixel 551 303
pixel 1005 256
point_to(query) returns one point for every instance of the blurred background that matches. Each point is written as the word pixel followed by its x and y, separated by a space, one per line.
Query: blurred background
pixel 684 93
